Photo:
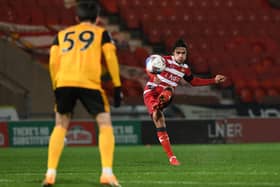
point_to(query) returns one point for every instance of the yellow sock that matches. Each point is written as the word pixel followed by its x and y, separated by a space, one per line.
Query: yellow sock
pixel 106 146
pixel 56 145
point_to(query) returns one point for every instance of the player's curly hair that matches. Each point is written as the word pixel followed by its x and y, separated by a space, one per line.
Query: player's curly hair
pixel 87 10
pixel 179 43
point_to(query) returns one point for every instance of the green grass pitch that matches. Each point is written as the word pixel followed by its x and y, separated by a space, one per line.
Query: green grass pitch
pixel 222 165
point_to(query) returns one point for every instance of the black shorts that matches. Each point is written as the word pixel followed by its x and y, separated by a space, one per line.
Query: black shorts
pixel 93 100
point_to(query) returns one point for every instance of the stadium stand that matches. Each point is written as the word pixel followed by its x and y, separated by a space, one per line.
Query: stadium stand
pixel 238 38
pixel 235 37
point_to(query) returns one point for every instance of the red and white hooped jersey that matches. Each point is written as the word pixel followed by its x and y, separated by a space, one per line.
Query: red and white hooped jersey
pixel 171 75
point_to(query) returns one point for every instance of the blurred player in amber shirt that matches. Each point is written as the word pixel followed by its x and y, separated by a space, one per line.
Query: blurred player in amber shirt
pixel 75 69
pixel 76 57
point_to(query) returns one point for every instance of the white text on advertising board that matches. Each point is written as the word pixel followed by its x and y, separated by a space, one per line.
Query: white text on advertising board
pixel 125 134
pixel 30 135
pixel 265 113
pixel 225 130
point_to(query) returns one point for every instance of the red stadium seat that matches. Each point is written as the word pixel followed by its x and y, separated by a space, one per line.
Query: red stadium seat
pixel 45 4
pixel 200 65
pixel 147 19
pixel 266 83
pixel 215 66
pixel 253 83
pixel 259 94
pixel 181 32
pixel 168 32
pixel 173 18
pixel 110 6
pixel 30 3
pixel 140 55
pixel 169 42
pixel 123 4
pixel 7 14
pixel 131 18
pixel 51 18
pixel 204 5
pixel 273 92
pixel 67 16
pixel 191 4
pixel 239 84
pixel 23 15
pixel 14 3
pixel 199 17
pixel 164 3
pixel 37 16
pixel 182 16
pixel 132 88
pixel 136 4
pixel 212 16
pixel 246 95
pixel 147 4
pixel 178 3
pixel 154 34
pixel 58 3
pixel 217 4
pixel 275 16
pixel 126 57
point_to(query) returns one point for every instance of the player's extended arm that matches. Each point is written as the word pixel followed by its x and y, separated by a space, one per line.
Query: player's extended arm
pixel 196 81
pixel 54 61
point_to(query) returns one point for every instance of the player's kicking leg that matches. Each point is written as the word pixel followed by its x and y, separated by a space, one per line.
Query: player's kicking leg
pixel 159 121
pixel 165 143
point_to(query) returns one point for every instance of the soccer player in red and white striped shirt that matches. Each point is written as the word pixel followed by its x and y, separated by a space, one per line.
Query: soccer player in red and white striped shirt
pixel 158 92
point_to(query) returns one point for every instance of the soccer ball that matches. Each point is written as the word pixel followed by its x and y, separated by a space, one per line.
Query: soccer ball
pixel 155 64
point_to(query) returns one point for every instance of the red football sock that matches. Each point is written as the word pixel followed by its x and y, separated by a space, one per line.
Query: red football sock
pixel 164 140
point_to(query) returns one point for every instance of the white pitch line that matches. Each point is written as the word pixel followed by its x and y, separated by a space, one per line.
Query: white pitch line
pixel 6 180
